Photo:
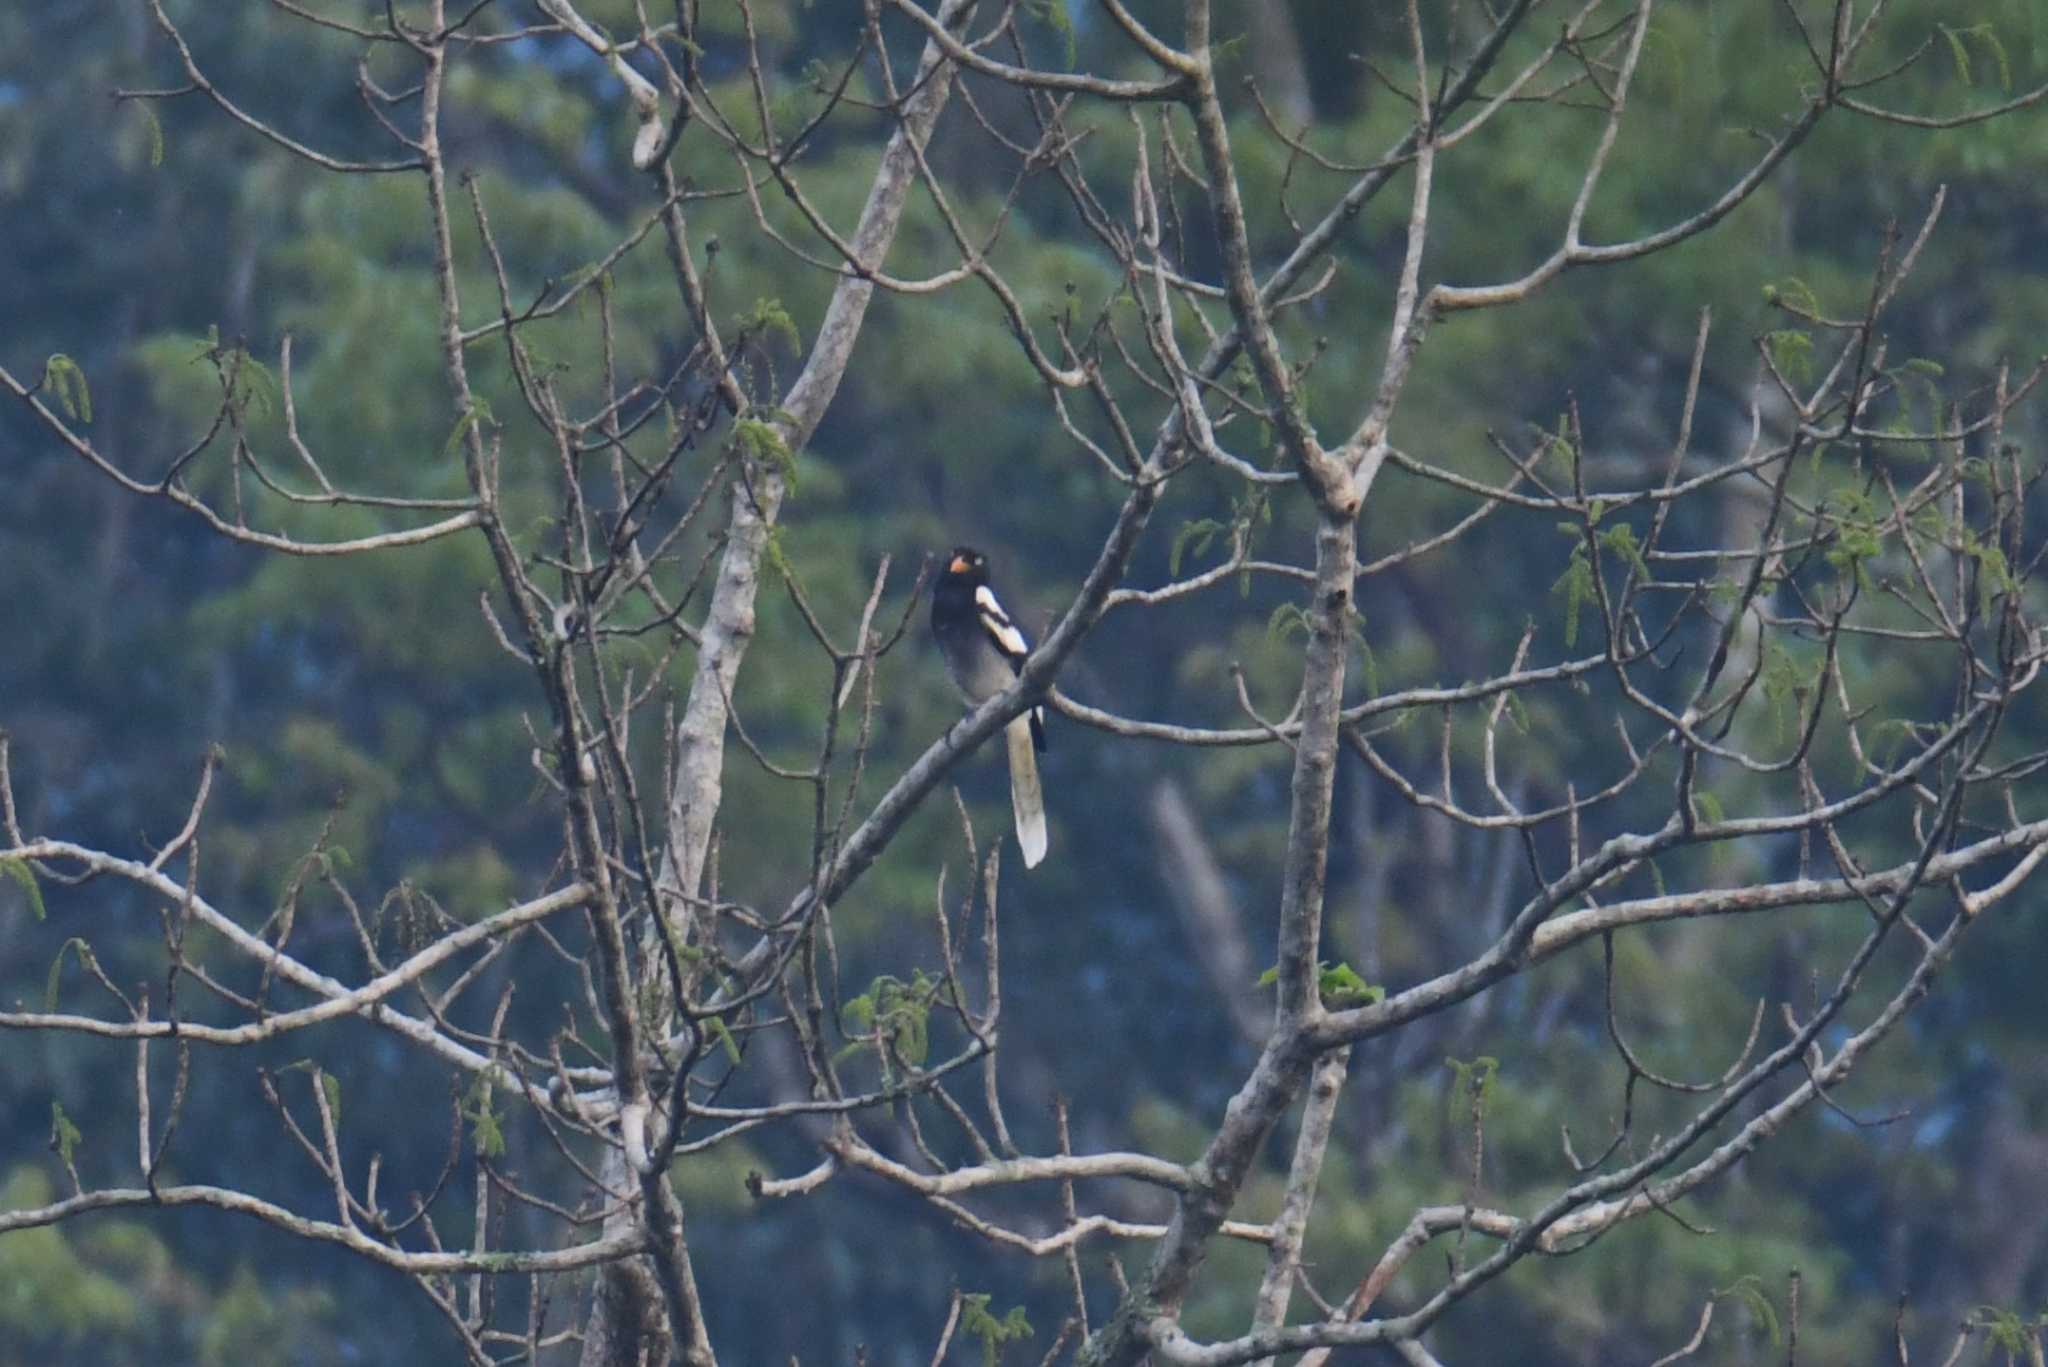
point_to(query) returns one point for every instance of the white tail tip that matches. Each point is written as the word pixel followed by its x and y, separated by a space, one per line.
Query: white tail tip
pixel 1027 800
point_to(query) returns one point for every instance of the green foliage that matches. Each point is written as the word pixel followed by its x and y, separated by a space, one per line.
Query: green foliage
pixel 1576 584
pixel 152 131
pixel 1786 687
pixel 253 386
pixel 1918 378
pixel 64 1134
pixel 1791 351
pixel 251 389
pixel 1472 1081
pixel 1286 621
pixel 478 412
pixel 1750 1291
pixel 487 1134
pixel 63 378
pixel 977 1322
pixel 1248 513
pixel 1993 571
pixel 1055 16
pixel 328 1083
pixel 86 960
pixel 722 1032
pixel 1859 535
pixel 1339 985
pixel 1368 663
pixel 1197 535
pixel 2018 1337
pixel 894 1015
pixel 777 555
pixel 769 318
pixel 1982 35
pixel 1620 541
pixel 761 441
pixel 23 876
pixel 247 387
pixel 1560 446
pixel 1795 295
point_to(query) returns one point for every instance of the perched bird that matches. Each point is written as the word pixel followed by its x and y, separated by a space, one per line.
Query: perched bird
pixel 984 652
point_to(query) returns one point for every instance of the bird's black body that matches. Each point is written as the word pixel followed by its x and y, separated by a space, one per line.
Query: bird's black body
pixel 984 649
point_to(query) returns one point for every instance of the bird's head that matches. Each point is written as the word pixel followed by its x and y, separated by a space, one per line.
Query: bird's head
pixel 968 563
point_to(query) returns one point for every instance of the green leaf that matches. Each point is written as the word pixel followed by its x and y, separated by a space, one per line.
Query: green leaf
pixel 85 960
pixel 778 558
pixel 1340 986
pixel 861 1010
pixel 769 317
pixel 1560 443
pixel 254 389
pixel 485 1130
pixel 63 378
pixel 478 411
pixel 895 1014
pixel 1784 684
pixel 1994 573
pixel 2011 1333
pixel 1988 36
pixel 1750 1291
pixel 1855 543
pixel 1576 584
pixel 1287 619
pixel 761 441
pixel 1472 1081
pixel 1958 51
pixel 1794 294
pixel 1620 540
pixel 153 129
pixel 1889 739
pixel 1053 14
pixel 1792 353
pixel 1981 35
pixel 1197 535
pixel 64 1136
pixel 723 1034
pixel 1369 667
pixel 976 1320
pixel 25 878
pixel 329 1084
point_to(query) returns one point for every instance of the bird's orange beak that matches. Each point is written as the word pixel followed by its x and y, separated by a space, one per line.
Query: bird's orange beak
pixel 959 565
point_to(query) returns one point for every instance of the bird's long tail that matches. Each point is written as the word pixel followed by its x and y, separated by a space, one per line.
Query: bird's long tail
pixel 1027 800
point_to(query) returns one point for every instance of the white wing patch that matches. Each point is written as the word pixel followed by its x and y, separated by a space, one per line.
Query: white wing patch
pixel 998 625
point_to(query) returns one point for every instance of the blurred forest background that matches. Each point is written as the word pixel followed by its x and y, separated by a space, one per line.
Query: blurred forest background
pixel 369 693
